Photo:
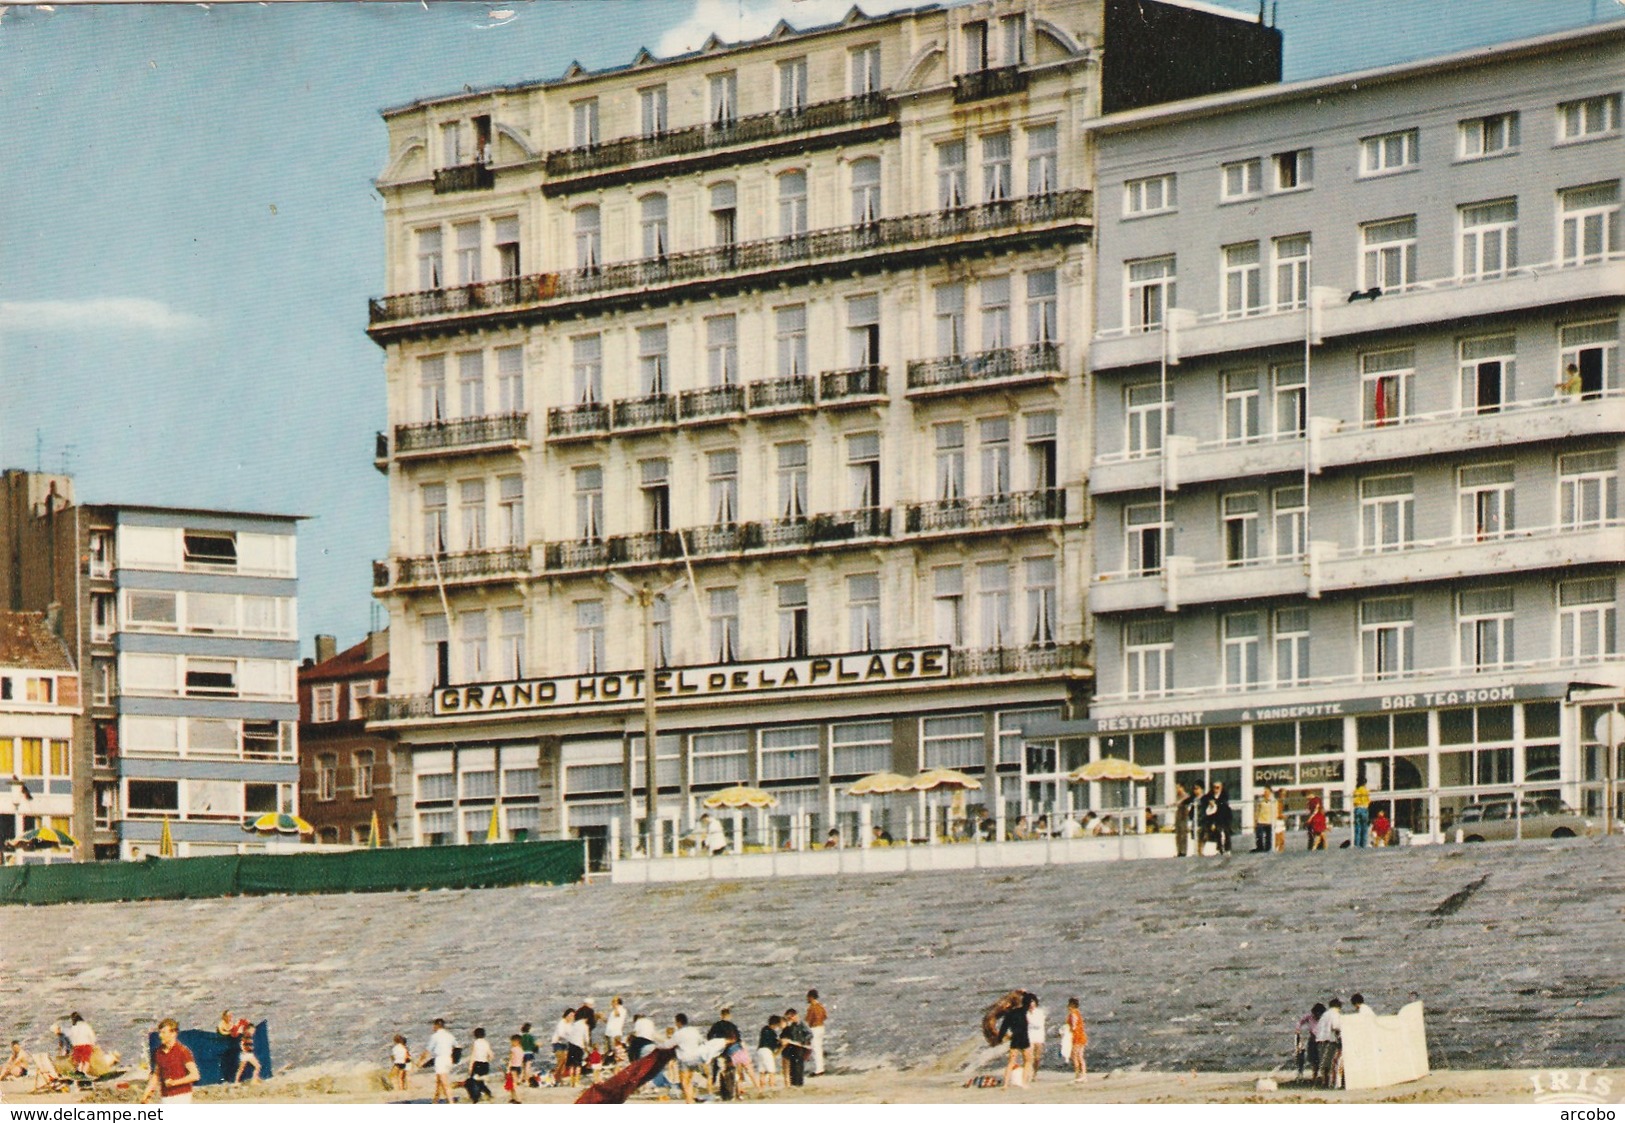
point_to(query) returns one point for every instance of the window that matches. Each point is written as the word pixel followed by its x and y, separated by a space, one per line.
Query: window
pixel 1150 284
pixel 720 758
pixel 724 214
pixel 1484 625
pixel 1145 534
pixel 863 331
pixel 209 551
pixel 471 384
pixel 1241 632
pixel 1241 406
pixel 1487 370
pixel 436 650
pixel 105 680
pixel 324 703
pixel 510 379
pixel 724 99
pixel 1385 379
pixel 1240 528
pixel 1387 513
pixel 211 676
pixel 652 223
pixel 1243 280
pixel 1386 627
pixel 995 294
pixel 431 259
pixel 451 144
pixel 101 553
pixel 467 238
pixel 863 469
pixel 950 473
pixel 1291 399
pixel 995 167
pixel 1291 522
pixel 1042 160
pixel 149 796
pixel 1041 306
pixel 589 238
pixel 792 599
pixel 1586 619
pixel 948 604
pixel 660 625
pixel 1241 179
pixel 722 351
pixel 589 636
pixel 863 609
pixel 1291 646
pixel 951 188
pixel 589 490
pixel 471 514
pixel 1149 195
pixel 1390 152
pixel 1040 574
pixel 722 477
pixel 1587 489
pixel 1013 42
pixel 1489 239
pixel 792 85
pixel 1150 418
pixel 511 510
pixel 1485 501
pixel 790 340
pixel 859 748
pixel 510 660
pixel 656 488
pixel 1588 117
pixel 864 66
pixel 954 742
pixel 974 37
pixel 792 203
pixel 362 767
pixel 1148 656
pixel 652 105
pixel 950 319
pixel 1589 358
pixel 104 617
pixel 434 518
pixel 360 692
pixel 652 360
pixel 1488 136
pixel 993 603
pixel 1291 272
pixel 327 777
pixel 994 443
pixel 1589 225
pixel 724 613
pixel 1388 257
pixel 1042 452
pixel 1293 170
pixel 792 464
pixel 865 191
pixel 584 122
pixel 505 236
pixel 476 648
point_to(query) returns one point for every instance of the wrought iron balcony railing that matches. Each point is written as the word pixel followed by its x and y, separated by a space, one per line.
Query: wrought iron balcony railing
pixel 462 433
pixel 999 365
pixel 641 413
pixel 579 420
pixel 983 511
pixel 996 82
pixel 741 257
pixel 701 138
pixel 649 546
pixel 781 393
pixel 464 177
pixel 586 553
pixel 1025 659
pixel 713 401
pixel 462 566
pixel 856 382
pixel 721 539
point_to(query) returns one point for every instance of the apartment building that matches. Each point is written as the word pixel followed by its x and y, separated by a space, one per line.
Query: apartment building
pixel 1357 431
pixel 781 336
pixel 39 700
pixel 346 774
pixel 185 627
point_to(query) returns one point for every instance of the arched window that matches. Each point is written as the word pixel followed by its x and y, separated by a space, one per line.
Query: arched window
pixel 652 218
pixel 589 238
pixel 865 191
pixel 793 203
pixel 724 214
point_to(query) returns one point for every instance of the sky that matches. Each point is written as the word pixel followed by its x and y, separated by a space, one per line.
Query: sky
pixel 189 232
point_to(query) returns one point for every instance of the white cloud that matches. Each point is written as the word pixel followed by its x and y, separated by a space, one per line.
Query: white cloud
pixel 736 20
pixel 97 313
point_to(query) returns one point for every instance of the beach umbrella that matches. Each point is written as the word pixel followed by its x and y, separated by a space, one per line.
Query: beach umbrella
pixel 44 838
pixel 943 780
pixel 274 822
pixel 880 783
pixel 1109 768
pixel 166 842
pixel 375 834
pixel 738 798
pixel 493 832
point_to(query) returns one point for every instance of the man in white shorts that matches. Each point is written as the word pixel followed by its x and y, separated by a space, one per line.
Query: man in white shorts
pixel 442 1047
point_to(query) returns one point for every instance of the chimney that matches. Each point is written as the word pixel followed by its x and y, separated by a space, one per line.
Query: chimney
pixel 377 643
pixel 326 648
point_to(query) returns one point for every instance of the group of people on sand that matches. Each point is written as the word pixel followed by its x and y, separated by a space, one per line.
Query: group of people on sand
pixel 1318 1041
pixel 77 1056
pixel 588 1046
pixel 1024 1023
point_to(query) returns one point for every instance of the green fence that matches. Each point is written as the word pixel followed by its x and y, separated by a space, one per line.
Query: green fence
pixel 355 871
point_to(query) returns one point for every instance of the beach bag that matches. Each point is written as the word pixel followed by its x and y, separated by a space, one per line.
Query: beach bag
pixel 1018 1078
pixel 507 1083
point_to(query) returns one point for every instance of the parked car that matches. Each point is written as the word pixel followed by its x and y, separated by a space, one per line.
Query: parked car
pixel 1543 817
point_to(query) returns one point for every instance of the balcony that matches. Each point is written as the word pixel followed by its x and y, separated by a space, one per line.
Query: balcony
pixel 1031 659
pixel 462 436
pixel 655 547
pixel 855 386
pixel 775 395
pixel 467 567
pixel 380 451
pixel 714 403
pixel 997 82
pixel 653 411
pixel 986 512
pixel 578 422
pixel 1033 219
pixel 1002 368
pixel 696 140
pixel 587 553
pixel 464 177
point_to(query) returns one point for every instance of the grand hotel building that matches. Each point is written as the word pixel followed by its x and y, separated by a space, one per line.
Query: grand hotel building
pixel 794 321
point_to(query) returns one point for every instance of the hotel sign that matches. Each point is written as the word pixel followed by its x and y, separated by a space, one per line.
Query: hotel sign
pixel 722 680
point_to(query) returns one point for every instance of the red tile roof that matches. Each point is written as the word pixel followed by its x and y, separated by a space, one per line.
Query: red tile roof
pixel 26 641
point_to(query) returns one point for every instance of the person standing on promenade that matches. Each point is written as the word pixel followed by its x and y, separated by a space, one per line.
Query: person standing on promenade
pixel 82 1039
pixel 817 1021
pixel 174 1069
pixel 1182 819
pixel 1077 1039
pixel 1317 824
pixel 1361 801
pixel 1014 1027
pixel 1265 810
pixel 1199 820
pixel 1221 817
pixel 795 1043
pixel 1037 1017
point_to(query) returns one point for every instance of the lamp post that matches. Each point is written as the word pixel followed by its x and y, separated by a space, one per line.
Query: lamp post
pixel 645 595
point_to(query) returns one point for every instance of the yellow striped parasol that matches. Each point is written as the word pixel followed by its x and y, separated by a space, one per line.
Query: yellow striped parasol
pixel 1109 768
pixel 739 797
pixel 880 783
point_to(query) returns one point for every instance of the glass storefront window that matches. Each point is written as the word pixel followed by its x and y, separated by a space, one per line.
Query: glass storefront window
pixel 1190 746
pixel 1275 739
pixel 1148 749
pixel 1540 720
pixel 1224 744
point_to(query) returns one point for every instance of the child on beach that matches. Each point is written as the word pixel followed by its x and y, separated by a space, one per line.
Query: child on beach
pixel 516 1067
pixel 1078 1038
pixel 399 1056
